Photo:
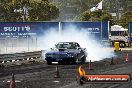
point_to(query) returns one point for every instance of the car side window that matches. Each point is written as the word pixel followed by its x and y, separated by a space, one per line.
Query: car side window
pixel 73 46
pixel 77 45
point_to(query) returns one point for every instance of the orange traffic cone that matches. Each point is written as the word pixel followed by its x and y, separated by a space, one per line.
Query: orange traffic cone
pixel 57 73
pixel 12 82
pixel 126 58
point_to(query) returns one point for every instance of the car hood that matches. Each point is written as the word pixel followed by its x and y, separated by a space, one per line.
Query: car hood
pixel 73 51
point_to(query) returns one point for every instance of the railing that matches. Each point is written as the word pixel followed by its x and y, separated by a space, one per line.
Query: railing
pixel 4 58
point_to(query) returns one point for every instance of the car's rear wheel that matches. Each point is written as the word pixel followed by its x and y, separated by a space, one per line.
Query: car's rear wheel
pixel 83 60
pixel 75 61
pixel 122 44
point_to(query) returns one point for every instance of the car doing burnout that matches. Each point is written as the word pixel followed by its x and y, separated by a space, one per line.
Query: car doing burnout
pixel 66 52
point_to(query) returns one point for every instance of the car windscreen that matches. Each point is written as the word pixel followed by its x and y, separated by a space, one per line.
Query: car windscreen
pixel 66 46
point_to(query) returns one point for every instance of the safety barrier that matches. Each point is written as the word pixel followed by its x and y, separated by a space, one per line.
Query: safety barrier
pixel 5 58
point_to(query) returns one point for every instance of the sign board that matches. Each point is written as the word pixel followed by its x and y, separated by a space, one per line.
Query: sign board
pixel 130 31
pixel 25 29
pixel 28 29
pixel 97 29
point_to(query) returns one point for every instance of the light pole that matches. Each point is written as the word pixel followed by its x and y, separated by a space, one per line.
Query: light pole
pixel 117 10
pixel 24 11
pixel 28 42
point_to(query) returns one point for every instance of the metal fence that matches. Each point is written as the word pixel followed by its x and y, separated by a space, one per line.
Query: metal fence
pixel 4 58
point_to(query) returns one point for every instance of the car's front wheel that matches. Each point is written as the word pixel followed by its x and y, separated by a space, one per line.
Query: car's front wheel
pixel 75 61
pixel 60 62
pixel 49 62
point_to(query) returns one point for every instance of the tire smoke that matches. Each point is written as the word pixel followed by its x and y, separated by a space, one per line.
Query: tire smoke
pixel 96 51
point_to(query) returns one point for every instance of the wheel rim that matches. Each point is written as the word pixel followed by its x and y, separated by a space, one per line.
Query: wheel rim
pixel 122 44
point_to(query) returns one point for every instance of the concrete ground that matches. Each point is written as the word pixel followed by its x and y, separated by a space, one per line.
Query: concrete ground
pixel 41 75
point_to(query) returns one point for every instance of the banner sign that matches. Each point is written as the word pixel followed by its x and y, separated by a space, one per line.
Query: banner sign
pixel 25 29
pixel 130 31
pixel 28 29
pixel 97 29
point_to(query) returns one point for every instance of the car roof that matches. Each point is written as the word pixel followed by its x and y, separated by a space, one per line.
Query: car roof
pixel 67 42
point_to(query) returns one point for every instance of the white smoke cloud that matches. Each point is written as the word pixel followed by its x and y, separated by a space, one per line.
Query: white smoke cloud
pixel 95 50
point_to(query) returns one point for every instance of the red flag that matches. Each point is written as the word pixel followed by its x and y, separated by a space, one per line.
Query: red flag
pixel 12 82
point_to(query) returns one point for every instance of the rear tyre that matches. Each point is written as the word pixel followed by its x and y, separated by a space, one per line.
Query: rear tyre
pixel 122 44
pixel 83 59
pixel 75 61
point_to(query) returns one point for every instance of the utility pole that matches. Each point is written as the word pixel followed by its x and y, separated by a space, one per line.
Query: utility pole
pixel 24 12
pixel 117 10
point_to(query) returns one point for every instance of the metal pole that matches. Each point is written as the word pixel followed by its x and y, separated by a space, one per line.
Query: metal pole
pixel 6 45
pixel 28 43
pixel 101 30
pixel 36 43
pixel 17 44
pixel 101 24
pixel 12 47
pixel 23 16
pixel 117 9
pixel 0 46
pixel 60 27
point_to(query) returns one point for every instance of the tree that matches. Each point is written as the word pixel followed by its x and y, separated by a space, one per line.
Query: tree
pixel 7 12
pixel 38 11
pixel 43 11
pixel 85 16
pixel 98 15
pixel 125 19
pixel 69 9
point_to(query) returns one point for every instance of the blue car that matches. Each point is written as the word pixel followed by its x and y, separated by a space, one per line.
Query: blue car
pixel 66 52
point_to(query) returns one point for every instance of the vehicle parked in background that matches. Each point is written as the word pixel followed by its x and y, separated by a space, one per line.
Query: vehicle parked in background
pixel 119 34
